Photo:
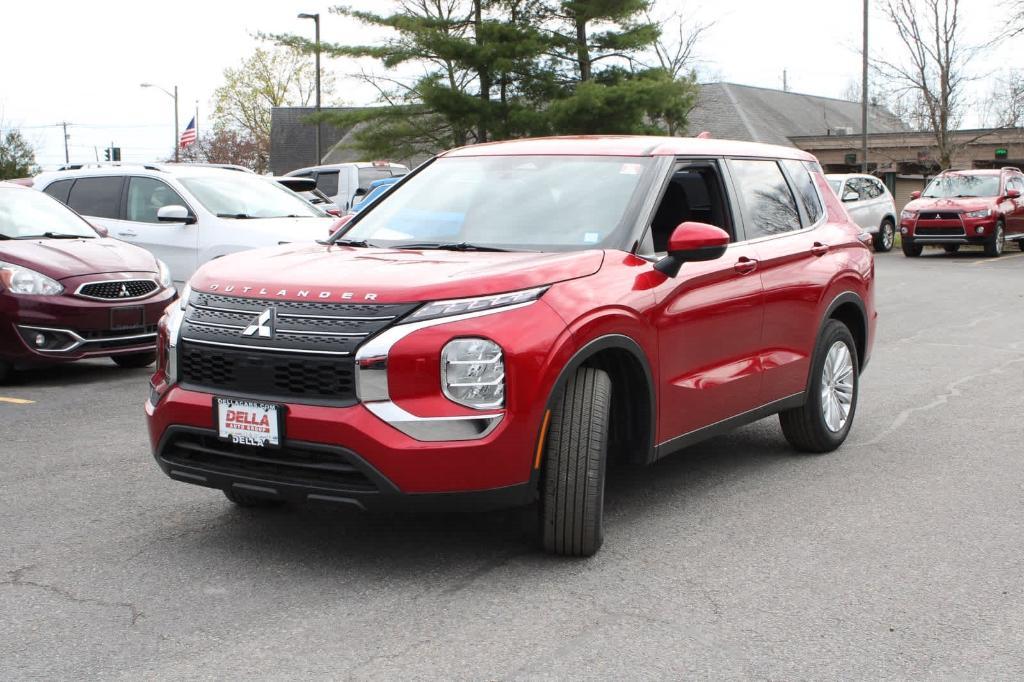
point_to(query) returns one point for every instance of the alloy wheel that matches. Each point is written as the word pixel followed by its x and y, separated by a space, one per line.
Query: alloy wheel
pixel 837 386
pixel 888 235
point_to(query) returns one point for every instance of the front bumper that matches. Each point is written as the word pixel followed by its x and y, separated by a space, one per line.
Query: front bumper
pixel 963 230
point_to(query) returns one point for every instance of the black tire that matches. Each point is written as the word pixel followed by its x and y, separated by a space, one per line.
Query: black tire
pixel 5 371
pixel 995 244
pixel 249 500
pixel 910 249
pixel 1020 244
pixel 575 459
pixel 805 427
pixel 885 237
pixel 134 360
pixel 950 248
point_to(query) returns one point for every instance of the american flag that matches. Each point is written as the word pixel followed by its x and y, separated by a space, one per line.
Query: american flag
pixel 188 135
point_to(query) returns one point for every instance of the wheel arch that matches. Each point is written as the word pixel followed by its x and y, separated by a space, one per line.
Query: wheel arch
pixel 633 393
pixel 848 308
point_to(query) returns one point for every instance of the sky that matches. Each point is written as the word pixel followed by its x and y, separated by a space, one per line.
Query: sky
pixel 83 62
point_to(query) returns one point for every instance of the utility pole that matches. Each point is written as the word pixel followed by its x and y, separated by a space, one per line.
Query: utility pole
pixel 864 95
pixel 66 157
pixel 316 22
pixel 785 83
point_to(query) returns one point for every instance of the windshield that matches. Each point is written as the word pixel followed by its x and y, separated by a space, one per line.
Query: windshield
pixel 242 195
pixel 534 203
pixel 960 185
pixel 26 213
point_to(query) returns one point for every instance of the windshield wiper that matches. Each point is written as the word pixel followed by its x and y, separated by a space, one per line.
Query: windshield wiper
pixel 449 246
pixel 358 243
pixel 54 235
pixel 237 216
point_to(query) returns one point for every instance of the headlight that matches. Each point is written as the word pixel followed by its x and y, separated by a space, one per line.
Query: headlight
pixel 983 213
pixel 473 373
pixel 471 305
pixel 21 280
pixel 165 274
pixel 908 215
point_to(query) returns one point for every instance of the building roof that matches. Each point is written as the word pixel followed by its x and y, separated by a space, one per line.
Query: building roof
pixel 630 145
pixel 744 112
pixel 293 141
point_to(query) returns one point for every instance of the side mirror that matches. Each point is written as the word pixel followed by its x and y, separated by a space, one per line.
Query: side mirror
pixel 850 196
pixel 338 224
pixel 174 214
pixel 692 242
pixel 916 194
pixel 100 230
pixel 1013 194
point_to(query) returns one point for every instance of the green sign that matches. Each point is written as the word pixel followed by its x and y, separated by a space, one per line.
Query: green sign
pixel 1001 153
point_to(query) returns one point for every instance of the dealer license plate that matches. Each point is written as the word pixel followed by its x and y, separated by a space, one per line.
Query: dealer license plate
pixel 128 317
pixel 247 422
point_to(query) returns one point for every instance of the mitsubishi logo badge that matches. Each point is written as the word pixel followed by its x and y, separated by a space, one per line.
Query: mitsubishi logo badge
pixel 124 293
pixel 262 326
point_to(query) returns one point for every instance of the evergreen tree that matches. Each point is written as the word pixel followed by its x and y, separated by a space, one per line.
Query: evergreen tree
pixel 17 158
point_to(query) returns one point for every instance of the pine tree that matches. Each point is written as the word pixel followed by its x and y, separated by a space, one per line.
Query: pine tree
pixel 17 159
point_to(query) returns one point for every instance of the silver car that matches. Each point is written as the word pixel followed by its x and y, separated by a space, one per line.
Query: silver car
pixel 870 205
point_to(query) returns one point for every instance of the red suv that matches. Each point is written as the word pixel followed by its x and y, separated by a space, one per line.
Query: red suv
pixel 975 207
pixel 67 292
pixel 512 317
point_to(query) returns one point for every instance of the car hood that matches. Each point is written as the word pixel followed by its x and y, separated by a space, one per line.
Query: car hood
pixel 925 204
pixel 287 229
pixel 343 273
pixel 63 258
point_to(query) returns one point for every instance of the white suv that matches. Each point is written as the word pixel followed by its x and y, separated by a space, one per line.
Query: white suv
pixel 870 205
pixel 187 215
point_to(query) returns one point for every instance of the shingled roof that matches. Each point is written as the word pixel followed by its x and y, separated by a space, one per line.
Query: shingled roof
pixel 744 112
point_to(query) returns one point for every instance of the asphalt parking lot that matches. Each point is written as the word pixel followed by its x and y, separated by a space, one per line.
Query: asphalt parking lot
pixel 899 555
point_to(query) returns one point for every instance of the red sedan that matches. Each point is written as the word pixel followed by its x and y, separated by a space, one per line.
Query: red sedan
pixel 67 292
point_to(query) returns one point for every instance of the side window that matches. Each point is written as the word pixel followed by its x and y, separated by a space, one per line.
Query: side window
pixel 146 196
pixel 769 207
pixel 874 188
pixel 59 190
pixel 327 183
pixel 694 194
pixel 1017 183
pixel 856 185
pixel 805 189
pixel 98 197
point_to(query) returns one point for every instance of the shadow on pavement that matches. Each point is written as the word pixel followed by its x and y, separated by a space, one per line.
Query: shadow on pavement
pixel 74 373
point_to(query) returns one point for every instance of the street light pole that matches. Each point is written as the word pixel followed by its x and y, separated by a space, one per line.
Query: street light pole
pixel 173 96
pixel 864 95
pixel 316 23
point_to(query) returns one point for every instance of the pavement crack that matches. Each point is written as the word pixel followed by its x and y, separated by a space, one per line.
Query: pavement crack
pixel 16 578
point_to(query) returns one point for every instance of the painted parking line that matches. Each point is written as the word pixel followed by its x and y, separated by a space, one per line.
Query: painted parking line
pixel 1001 259
pixel 16 401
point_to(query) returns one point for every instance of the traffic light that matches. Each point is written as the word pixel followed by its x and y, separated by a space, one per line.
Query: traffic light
pixel 116 152
pixel 106 154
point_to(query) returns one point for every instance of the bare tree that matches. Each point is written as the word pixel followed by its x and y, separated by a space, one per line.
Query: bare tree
pixel 1004 107
pixel 933 71
pixel 676 47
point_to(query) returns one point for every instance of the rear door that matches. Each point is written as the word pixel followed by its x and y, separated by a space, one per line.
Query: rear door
pixel 784 218
pixel 174 243
pixel 860 209
pixel 1015 218
pixel 99 200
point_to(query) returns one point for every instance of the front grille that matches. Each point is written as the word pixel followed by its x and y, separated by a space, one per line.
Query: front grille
pixel 939 215
pixel 295 463
pixel 118 290
pixel 939 232
pixel 265 374
pixel 297 351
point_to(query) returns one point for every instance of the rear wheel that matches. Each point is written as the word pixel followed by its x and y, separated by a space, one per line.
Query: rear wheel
pixel 995 244
pixel 572 504
pixel 910 249
pixel 134 360
pixel 823 422
pixel 250 500
pixel 1020 244
pixel 951 248
pixel 885 237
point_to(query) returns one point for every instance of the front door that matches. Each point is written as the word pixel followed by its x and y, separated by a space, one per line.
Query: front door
pixel 709 316
pixel 174 243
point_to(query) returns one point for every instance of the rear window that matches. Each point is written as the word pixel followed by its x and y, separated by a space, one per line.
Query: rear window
pixel 98 197
pixel 368 175
pixel 59 190
pixel 768 204
pixel 805 189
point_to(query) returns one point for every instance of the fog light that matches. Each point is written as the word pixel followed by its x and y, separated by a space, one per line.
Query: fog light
pixel 904 230
pixel 39 340
pixel 979 229
pixel 473 373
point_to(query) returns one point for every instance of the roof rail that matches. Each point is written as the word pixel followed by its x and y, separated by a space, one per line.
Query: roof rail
pixel 107 164
pixel 1013 168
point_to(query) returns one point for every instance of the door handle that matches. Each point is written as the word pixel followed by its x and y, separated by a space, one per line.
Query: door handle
pixel 745 265
pixel 819 249
pixel 127 233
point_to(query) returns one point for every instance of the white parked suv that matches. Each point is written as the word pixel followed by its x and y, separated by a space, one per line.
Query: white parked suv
pixel 870 205
pixel 187 215
pixel 344 183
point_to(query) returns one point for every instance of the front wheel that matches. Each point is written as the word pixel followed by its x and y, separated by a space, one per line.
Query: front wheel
pixel 1020 244
pixel 910 249
pixel 134 360
pixel 994 245
pixel 885 237
pixel 576 451
pixel 822 423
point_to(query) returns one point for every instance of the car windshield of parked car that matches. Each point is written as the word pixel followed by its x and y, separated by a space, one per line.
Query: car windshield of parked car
pixel 533 203
pixel 28 214
pixel 241 195
pixel 958 185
